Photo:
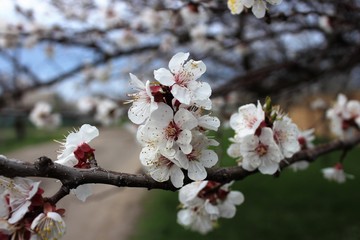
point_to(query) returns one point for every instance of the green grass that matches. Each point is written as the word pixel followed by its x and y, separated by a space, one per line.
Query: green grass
pixel 9 142
pixel 300 205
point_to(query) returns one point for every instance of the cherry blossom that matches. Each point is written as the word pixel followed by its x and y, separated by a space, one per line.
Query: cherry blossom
pixel 76 148
pixel 172 129
pixel 336 173
pixel 42 117
pixel 261 152
pixel 181 78
pixel 286 136
pixel 199 158
pixel 19 192
pixel 49 224
pixel 162 169
pixel 143 102
pixel 107 112
pixel 77 153
pixel 247 120
pixel 25 214
pixel 344 117
pixel 203 202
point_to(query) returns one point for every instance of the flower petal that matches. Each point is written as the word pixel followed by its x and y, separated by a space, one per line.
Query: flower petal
pixel 164 76
pixel 177 61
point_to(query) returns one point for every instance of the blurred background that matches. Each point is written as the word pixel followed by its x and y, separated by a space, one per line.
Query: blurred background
pixel 67 62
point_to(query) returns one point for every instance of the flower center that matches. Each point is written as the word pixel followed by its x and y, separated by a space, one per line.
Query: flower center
pixel 172 130
pixel 213 192
pixel 164 161
pixel 261 149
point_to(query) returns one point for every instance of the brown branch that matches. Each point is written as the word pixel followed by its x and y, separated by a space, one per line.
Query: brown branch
pixel 72 177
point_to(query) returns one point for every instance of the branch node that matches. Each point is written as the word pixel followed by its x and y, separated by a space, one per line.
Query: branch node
pixel 43 163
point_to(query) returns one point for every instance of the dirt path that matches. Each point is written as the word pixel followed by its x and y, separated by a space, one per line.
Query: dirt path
pixel 110 213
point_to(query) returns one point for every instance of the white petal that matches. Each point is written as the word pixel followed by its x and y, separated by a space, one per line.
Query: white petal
pixel 135 82
pixel 248 3
pixel 236 197
pixel 88 132
pixel 184 139
pixel 182 94
pixel 268 167
pixel 148 155
pixel 176 176
pixel 184 217
pixel 211 209
pixel 199 90
pixel 259 8
pixel 227 210
pixel 185 119
pixel 182 159
pixel 177 61
pixel 139 112
pixel 209 122
pixel 235 6
pixel 164 76
pixel 208 158
pixel 188 193
pixel 163 115
pixel 4 208
pixel 274 2
pixel 159 173
pixel 195 69
pixel 196 171
pixel 234 150
pixel 82 192
pixel 19 213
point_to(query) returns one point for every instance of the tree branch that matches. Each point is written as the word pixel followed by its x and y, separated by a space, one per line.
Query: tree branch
pixel 72 177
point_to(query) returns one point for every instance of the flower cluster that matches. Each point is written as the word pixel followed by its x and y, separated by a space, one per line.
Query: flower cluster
pixel 78 153
pixel 173 130
pixel 42 117
pixel 344 117
pixel 204 202
pixel 25 215
pixel 258 7
pixel 263 137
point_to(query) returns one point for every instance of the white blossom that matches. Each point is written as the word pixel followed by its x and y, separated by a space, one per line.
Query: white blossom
pixel 107 112
pixel 286 136
pixel 74 141
pixel 171 129
pixel 336 174
pixel 162 169
pixel 260 152
pixel 247 120
pixel 77 153
pixel 42 117
pixel 203 202
pixel 49 225
pixel 182 78
pixel 344 117
pixel 20 191
pixel 199 158
pixel 143 103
